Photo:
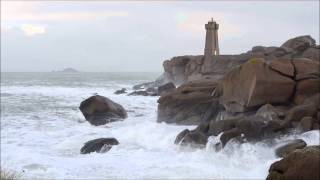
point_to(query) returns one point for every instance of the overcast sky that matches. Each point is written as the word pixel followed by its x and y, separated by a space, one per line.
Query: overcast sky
pixel 139 36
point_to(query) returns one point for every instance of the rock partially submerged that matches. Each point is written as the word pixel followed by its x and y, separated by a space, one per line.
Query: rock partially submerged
pixel 121 91
pixel 289 147
pixel 194 138
pixel 142 93
pixel 302 164
pixel 100 145
pixel 99 110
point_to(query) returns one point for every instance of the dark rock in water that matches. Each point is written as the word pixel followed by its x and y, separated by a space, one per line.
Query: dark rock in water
pixel 100 145
pixel 121 91
pixel 143 85
pixel 195 139
pixel 252 128
pixel 152 90
pixel 289 147
pixel 99 110
pixel 181 135
pixel 69 70
pixel 300 43
pixel 142 93
pixel 302 164
pixel 166 88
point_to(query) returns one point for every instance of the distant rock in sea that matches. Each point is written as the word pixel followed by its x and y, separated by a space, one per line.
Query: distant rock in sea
pixel 68 70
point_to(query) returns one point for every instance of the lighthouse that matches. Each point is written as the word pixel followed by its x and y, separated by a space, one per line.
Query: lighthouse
pixel 212 45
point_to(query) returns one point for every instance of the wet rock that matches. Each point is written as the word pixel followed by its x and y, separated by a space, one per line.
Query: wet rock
pixel 217 127
pixel 142 93
pixel 144 85
pixel 181 135
pixel 121 91
pixel 302 164
pixel 99 110
pixel 195 139
pixel 166 88
pixel 152 90
pixel 289 147
pixel 100 145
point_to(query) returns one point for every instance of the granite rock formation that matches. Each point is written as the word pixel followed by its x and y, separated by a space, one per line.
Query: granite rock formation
pixel 99 110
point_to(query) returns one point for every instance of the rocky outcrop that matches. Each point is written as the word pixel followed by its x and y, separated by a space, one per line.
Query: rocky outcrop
pixel 289 147
pixel 189 104
pixel 250 128
pixel 243 83
pixel 99 110
pixel 166 88
pixel 298 165
pixel 100 145
pixel 258 94
pixel 181 69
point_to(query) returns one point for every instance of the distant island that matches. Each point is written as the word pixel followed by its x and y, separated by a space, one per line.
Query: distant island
pixel 68 70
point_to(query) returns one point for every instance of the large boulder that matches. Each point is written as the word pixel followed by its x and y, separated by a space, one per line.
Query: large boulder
pixel 99 110
pixel 189 104
pixel 253 84
pixel 100 145
pixel 196 138
pixel 283 66
pixel 288 147
pixel 299 43
pixel 302 164
pixel 307 78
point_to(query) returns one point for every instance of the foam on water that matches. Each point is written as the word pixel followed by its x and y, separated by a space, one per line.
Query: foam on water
pixel 42 132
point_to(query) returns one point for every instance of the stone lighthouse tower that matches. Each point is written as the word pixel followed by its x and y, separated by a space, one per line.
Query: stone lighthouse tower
pixel 211 46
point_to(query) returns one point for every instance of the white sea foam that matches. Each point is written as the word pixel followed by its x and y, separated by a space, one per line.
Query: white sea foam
pixel 42 132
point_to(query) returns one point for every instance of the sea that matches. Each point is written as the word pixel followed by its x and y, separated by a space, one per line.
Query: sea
pixel 43 130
